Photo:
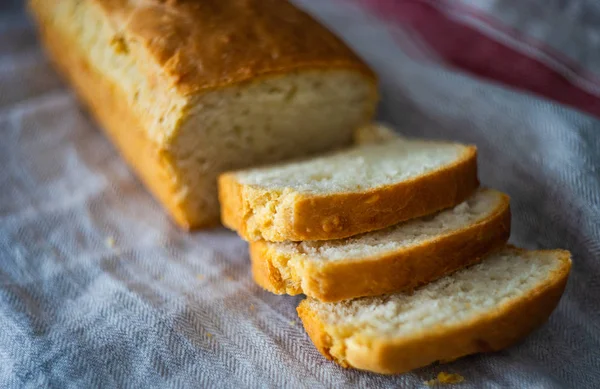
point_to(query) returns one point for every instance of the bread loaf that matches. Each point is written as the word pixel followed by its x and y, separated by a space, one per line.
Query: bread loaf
pixel 349 192
pixel 187 89
pixel 486 307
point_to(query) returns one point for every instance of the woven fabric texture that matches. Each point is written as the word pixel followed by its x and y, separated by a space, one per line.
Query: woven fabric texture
pixel 99 290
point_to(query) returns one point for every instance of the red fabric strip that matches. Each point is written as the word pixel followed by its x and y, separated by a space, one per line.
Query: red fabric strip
pixel 529 41
pixel 466 48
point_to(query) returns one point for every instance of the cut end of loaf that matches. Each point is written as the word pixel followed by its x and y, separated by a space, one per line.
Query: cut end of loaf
pixel 486 307
pixel 265 121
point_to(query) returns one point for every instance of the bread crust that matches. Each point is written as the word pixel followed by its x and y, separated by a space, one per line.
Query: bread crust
pixel 209 44
pixel 317 332
pixel 495 330
pixel 399 271
pixel 335 216
pixel 108 104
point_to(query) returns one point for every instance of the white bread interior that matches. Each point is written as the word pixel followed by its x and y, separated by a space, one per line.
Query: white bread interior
pixel 357 169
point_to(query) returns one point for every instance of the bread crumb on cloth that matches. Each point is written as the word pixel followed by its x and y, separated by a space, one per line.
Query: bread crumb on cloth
pixel 444 378
pixel 110 242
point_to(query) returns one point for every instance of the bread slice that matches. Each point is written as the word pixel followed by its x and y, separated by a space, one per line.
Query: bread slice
pixel 486 307
pixel 189 89
pixel 374 133
pixel 349 192
pixel 394 259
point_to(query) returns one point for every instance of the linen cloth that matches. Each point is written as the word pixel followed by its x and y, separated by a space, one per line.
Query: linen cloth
pixel 99 290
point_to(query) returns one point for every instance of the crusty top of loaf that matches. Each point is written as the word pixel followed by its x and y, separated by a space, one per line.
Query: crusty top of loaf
pixel 206 44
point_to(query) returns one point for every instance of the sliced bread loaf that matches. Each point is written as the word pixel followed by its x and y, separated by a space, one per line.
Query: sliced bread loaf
pixel 486 307
pixel 361 189
pixel 394 259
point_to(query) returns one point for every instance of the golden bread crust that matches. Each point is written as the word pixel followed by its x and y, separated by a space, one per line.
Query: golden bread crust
pixel 493 331
pixel 266 274
pixel 108 104
pixel 316 331
pixel 395 272
pixel 209 44
pixel 335 216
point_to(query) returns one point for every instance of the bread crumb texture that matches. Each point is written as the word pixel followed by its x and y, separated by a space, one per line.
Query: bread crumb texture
pixel 361 168
pixel 110 242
